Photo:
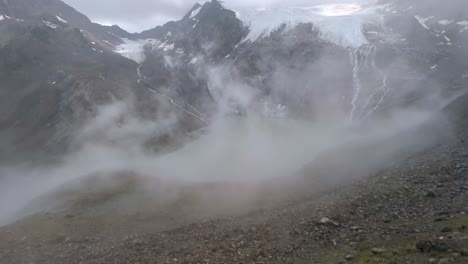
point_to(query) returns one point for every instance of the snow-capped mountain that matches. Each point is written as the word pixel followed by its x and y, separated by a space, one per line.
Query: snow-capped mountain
pixel 381 66
pixel 324 62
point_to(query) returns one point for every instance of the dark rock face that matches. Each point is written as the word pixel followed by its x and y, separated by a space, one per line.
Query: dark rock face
pixel 435 32
pixel 52 80
pixel 207 33
pixel 209 30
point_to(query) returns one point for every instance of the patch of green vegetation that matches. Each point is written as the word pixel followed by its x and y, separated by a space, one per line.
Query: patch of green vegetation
pixel 402 249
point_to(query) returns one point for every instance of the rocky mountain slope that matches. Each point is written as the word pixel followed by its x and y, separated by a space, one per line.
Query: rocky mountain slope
pixel 389 188
pixel 390 55
pixel 287 55
pixel 59 13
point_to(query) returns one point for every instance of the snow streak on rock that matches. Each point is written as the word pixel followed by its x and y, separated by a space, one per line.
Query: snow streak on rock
pixel 61 20
pixel 423 20
pixel 50 24
pixel 372 97
pixel 358 57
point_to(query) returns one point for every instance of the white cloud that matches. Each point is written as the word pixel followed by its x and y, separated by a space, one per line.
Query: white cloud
pixel 139 15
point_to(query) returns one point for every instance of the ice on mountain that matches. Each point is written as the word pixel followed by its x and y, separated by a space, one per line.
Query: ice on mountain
pixel 134 49
pixel 340 24
pixel 61 19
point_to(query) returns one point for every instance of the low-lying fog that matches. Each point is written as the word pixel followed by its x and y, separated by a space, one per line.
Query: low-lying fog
pixel 248 151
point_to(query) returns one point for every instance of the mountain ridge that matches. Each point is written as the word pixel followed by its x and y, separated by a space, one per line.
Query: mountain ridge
pixel 203 59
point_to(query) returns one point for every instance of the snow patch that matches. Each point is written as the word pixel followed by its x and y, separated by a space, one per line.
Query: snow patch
pixel 3 17
pixel 166 47
pixel 445 22
pixel 193 60
pixel 195 12
pixel 50 24
pixel 134 49
pixel 61 19
pixel 339 23
pixel 463 24
pixel 422 21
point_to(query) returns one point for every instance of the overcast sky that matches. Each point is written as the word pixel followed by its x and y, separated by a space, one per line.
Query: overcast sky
pixel 138 15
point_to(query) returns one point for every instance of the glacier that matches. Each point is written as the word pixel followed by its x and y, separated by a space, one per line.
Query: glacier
pixel 340 24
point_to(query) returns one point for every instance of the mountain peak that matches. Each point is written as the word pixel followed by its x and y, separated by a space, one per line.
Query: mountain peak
pixel 216 3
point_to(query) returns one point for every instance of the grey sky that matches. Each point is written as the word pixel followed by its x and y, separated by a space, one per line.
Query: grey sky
pixel 138 15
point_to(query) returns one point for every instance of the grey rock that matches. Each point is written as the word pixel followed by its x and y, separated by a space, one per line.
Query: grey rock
pixel 424 246
pixel 430 194
pixel 349 257
pixel 378 251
